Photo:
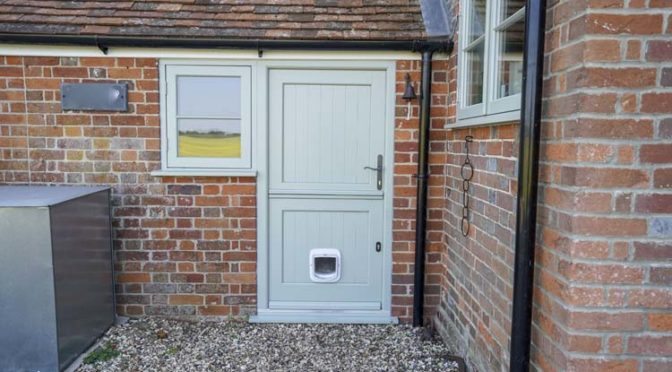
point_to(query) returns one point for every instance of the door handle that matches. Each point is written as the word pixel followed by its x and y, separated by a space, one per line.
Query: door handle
pixel 379 172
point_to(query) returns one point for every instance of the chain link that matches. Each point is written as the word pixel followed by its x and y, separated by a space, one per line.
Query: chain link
pixel 467 173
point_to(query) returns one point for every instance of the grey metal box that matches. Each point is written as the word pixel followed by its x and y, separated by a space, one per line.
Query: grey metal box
pixel 56 286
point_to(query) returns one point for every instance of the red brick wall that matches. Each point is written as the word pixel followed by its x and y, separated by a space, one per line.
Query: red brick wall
pixel 604 300
pixel 184 245
pixel 476 272
pixel 478 269
pixel 405 187
pixel 603 272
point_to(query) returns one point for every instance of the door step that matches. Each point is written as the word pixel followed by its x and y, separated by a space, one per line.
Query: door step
pixel 323 316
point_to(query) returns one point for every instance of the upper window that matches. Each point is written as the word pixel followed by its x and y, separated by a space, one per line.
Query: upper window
pixel 490 63
pixel 207 117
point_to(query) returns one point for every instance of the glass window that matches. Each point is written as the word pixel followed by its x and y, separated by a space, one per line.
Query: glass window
pixel 474 93
pixel 477 20
pixel 208 96
pixel 510 34
pixel 508 8
pixel 207 116
pixel 490 65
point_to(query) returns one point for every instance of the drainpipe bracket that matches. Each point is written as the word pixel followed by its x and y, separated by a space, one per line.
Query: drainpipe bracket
pixel 100 46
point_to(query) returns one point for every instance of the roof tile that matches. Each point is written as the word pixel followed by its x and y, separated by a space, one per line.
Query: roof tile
pixel 273 19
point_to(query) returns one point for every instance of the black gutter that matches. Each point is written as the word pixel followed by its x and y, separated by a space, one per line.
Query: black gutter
pixel 105 42
pixel 422 176
pixel 528 172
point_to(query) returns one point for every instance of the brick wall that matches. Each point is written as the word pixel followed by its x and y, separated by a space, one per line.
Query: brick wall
pixel 184 246
pixel 603 299
pixel 602 296
pixel 476 272
pixel 405 188
pixel 475 311
pixel 473 315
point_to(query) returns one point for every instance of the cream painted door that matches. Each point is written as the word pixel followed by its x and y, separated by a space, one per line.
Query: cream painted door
pixel 325 127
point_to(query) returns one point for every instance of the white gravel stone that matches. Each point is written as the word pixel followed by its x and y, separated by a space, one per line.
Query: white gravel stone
pixel 159 344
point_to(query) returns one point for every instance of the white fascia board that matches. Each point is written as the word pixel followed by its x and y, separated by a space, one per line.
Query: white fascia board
pixel 91 51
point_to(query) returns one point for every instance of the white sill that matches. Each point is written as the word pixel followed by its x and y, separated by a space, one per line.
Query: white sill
pixel 496 119
pixel 204 173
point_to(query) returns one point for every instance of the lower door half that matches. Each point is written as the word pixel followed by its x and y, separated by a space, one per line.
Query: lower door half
pixel 326 254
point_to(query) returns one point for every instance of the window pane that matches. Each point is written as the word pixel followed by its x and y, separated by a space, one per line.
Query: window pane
pixel 510 62
pixel 217 96
pixel 476 25
pixel 208 138
pixel 474 94
pixel 509 8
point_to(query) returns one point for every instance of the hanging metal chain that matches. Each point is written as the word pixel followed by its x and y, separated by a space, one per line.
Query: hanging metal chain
pixel 467 173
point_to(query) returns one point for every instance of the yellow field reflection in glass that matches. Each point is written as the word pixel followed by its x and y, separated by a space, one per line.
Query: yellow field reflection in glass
pixel 209 138
pixel 209 117
pixel 208 145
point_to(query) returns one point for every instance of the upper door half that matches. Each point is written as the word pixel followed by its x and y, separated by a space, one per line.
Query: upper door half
pixel 328 127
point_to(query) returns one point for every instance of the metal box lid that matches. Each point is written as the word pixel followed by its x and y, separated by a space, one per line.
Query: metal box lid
pixel 42 196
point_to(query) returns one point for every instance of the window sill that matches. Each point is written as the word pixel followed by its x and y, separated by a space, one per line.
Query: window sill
pixel 204 173
pixel 478 121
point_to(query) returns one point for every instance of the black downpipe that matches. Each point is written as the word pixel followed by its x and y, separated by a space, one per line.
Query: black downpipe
pixel 528 171
pixel 422 176
pixel 105 42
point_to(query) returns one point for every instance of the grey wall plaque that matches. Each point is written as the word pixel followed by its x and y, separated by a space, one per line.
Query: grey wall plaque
pixel 94 96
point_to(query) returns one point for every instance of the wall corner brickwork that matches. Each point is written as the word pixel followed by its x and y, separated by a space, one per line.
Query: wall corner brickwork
pixel 603 299
pixel 603 268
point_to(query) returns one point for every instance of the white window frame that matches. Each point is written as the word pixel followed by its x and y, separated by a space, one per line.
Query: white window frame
pixel 171 163
pixel 492 109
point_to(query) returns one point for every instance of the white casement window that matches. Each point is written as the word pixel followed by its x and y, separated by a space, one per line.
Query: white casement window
pixel 490 61
pixel 206 118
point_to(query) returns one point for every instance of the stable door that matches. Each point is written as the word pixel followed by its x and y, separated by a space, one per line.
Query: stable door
pixel 326 198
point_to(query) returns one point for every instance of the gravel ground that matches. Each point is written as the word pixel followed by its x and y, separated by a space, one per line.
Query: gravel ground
pixel 158 344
